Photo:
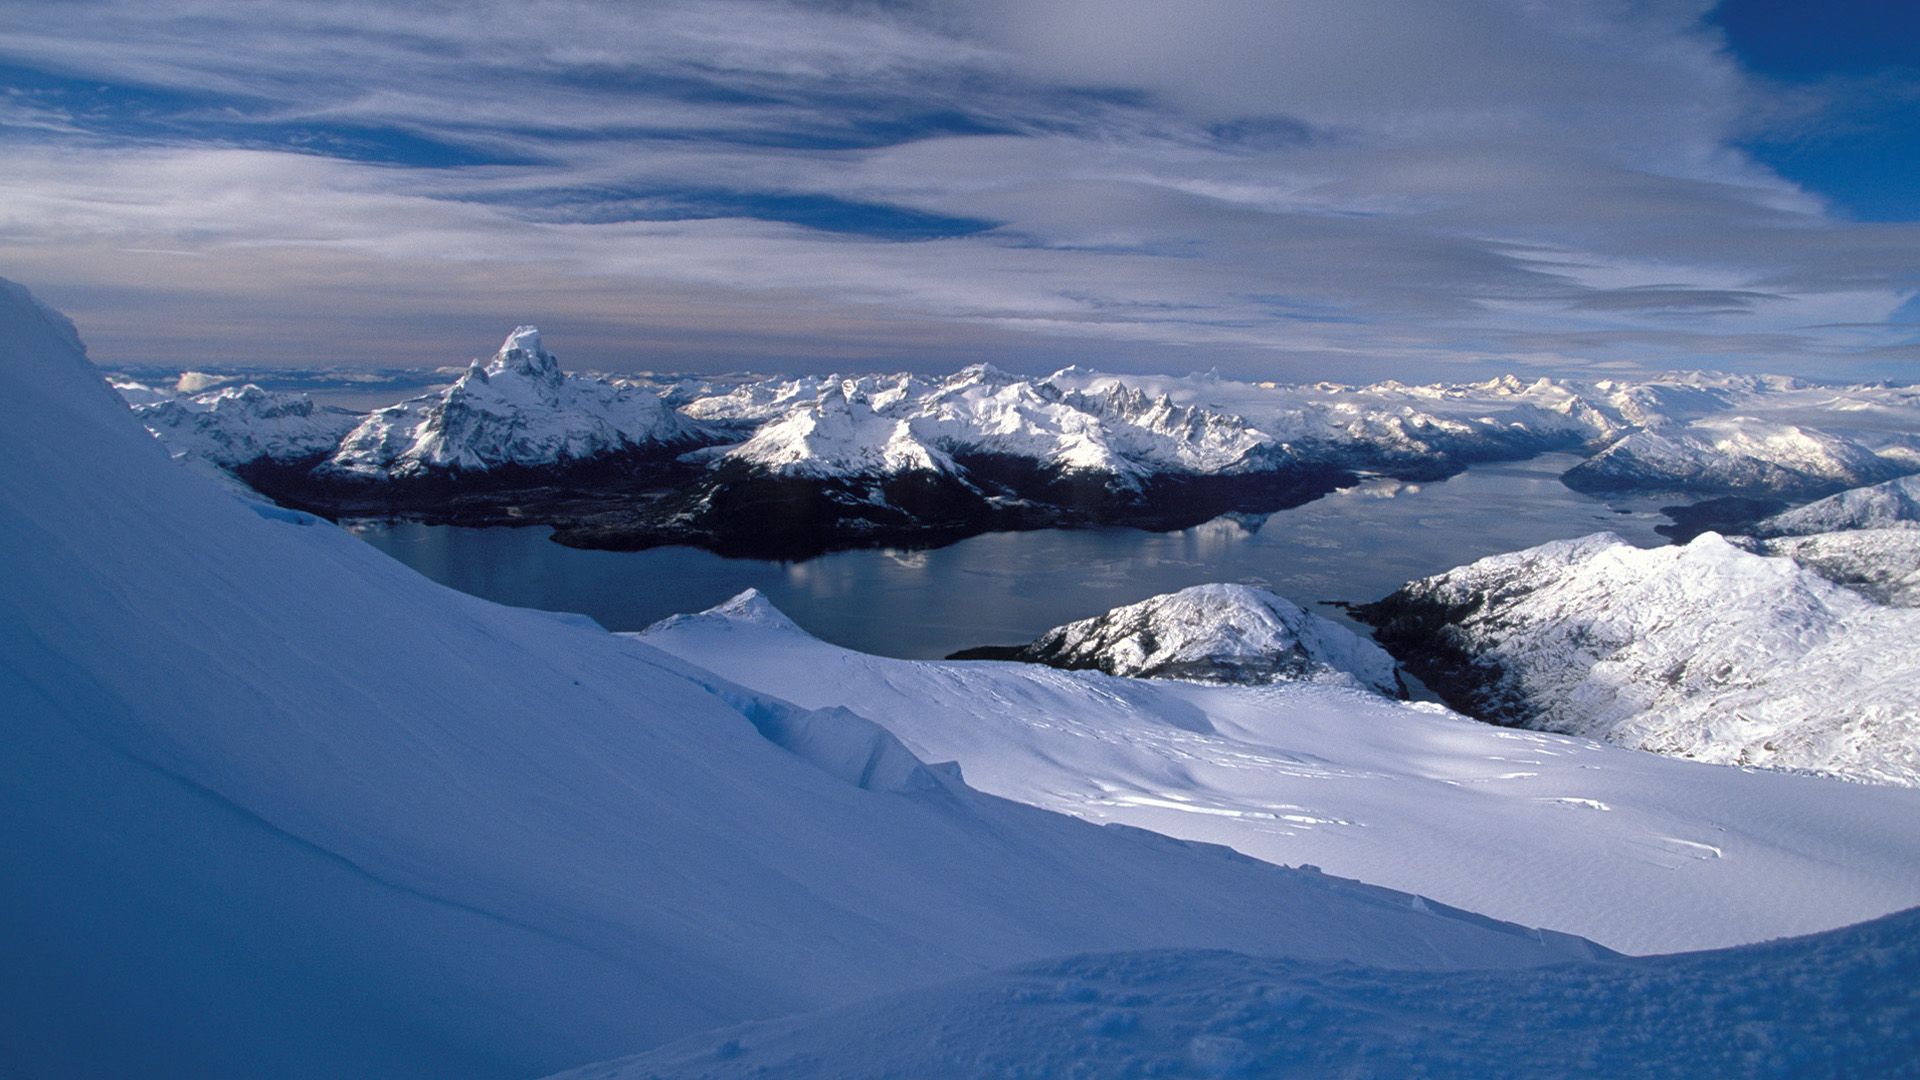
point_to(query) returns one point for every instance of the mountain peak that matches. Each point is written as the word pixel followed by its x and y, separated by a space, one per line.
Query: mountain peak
pixel 982 372
pixel 522 354
pixel 749 603
pixel 749 606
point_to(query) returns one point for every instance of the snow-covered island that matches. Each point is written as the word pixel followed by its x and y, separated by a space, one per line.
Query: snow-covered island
pixel 794 467
pixel 1211 633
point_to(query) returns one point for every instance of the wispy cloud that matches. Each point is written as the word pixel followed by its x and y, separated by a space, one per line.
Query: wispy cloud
pixel 1311 189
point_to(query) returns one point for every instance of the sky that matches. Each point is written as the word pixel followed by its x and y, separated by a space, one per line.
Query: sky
pixel 1288 189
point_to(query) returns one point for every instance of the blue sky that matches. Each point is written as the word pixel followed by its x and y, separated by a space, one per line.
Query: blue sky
pixel 1287 190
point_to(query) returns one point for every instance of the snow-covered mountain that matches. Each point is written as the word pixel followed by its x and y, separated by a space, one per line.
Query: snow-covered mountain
pixel 902 459
pixel 519 409
pixel 1421 430
pixel 875 426
pixel 1640 852
pixel 1134 428
pixel 1734 454
pixel 1212 633
pixel 239 426
pixel 272 804
pixel 1893 504
pixel 840 461
pixel 991 450
pixel 1705 651
pixel 1882 564
pixel 1867 539
pixel 1833 1004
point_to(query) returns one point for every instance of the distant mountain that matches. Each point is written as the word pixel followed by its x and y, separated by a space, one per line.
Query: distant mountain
pixel 840 462
pixel 1893 504
pixel 1211 633
pixel 240 426
pixel 1882 564
pixel 1706 651
pixel 1734 455
pixel 520 410
pixel 1867 539
pixel 790 467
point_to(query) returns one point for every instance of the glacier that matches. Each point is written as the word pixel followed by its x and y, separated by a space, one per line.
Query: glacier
pixel 1640 852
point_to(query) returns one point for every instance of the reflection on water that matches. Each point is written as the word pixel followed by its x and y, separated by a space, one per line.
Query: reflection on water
pixel 1356 544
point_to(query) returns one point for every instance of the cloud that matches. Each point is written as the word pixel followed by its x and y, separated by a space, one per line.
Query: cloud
pixel 1281 189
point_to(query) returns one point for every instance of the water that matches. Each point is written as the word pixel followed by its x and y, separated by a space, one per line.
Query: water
pixel 1002 588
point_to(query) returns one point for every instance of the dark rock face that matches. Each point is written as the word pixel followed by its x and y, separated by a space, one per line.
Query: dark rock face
pixel 739 510
pixel 1417 629
pixel 506 495
pixel 1727 515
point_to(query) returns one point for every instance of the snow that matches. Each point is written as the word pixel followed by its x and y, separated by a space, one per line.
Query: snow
pixel 137 394
pixel 1880 564
pixel 1734 454
pixel 1706 651
pixel 520 409
pixel 840 436
pixel 272 804
pixel 1218 633
pixel 240 425
pixel 882 425
pixel 1640 852
pixel 1691 431
pixel 1385 422
pixel 1893 504
pixel 1838 1004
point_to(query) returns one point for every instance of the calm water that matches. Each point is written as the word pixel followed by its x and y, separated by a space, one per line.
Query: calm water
pixel 1358 544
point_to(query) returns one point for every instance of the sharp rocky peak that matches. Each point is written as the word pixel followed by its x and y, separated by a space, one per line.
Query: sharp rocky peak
pixel 523 355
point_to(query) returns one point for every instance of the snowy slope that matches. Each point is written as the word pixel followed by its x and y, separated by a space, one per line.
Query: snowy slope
pixel 841 434
pixel 1736 454
pixel 1841 1003
pixel 271 804
pixel 1640 852
pixel 1881 564
pixel 876 425
pixel 1895 503
pixel 137 394
pixel 1685 431
pixel 240 425
pixel 1216 633
pixel 519 409
pixel 1386 424
pixel 1705 651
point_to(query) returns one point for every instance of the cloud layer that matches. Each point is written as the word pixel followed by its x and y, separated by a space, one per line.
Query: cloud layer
pixel 1288 189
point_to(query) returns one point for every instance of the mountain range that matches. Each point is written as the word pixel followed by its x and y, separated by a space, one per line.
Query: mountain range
pixel 789 467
